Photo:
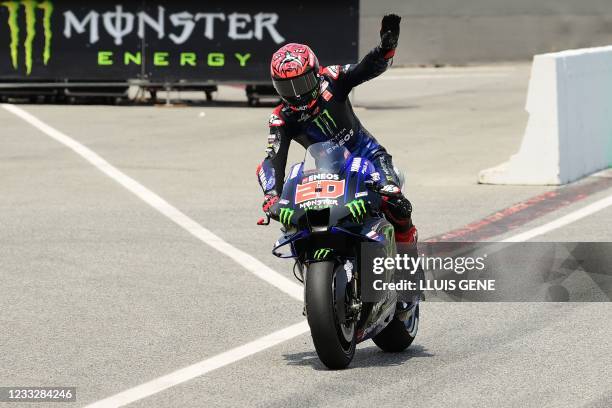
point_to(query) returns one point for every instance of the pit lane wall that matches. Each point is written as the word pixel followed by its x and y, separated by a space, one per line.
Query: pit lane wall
pixel 569 131
pixel 475 31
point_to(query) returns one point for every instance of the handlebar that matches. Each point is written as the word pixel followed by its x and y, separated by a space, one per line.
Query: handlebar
pixel 269 215
pixel 264 221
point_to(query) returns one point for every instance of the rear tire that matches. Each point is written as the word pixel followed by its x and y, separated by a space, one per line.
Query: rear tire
pixel 334 343
pixel 398 335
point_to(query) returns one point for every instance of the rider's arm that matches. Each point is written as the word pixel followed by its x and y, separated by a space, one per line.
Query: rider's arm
pixel 376 61
pixel 271 172
pixel 371 66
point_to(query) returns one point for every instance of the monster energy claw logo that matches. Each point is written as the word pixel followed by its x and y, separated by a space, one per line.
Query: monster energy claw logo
pixel 389 233
pixel 357 209
pixel 324 121
pixel 322 253
pixel 285 216
pixel 30 7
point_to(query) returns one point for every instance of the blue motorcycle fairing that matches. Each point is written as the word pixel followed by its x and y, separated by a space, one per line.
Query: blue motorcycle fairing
pixel 351 176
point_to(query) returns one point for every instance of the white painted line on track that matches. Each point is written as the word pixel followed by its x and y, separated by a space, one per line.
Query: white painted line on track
pixel 185 374
pixel 563 221
pixel 247 261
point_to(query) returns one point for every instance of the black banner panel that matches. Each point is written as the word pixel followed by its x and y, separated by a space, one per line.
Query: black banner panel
pixel 167 41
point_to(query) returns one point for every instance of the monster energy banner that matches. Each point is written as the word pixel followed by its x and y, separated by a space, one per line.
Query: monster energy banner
pixel 166 41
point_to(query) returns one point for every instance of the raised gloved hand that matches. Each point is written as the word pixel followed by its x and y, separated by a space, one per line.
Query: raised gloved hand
pixel 270 199
pixel 390 31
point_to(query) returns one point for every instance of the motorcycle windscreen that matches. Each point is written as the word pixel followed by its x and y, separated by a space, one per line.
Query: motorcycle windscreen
pixel 325 157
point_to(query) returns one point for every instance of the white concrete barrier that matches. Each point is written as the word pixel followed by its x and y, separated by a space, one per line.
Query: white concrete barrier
pixel 569 132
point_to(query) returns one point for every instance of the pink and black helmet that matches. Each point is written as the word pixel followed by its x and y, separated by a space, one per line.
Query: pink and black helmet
pixel 295 75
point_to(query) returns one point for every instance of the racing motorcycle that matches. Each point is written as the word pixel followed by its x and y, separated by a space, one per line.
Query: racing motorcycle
pixel 329 208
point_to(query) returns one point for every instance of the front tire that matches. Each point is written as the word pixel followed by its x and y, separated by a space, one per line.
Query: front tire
pixel 333 341
pixel 398 335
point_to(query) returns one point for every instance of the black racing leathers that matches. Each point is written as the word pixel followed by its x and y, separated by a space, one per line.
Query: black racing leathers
pixel 333 119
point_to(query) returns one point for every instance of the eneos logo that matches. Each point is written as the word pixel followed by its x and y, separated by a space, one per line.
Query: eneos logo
pixel 31 11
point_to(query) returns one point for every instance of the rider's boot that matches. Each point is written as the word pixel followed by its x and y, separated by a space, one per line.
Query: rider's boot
pixel 408 237
pixel 399 212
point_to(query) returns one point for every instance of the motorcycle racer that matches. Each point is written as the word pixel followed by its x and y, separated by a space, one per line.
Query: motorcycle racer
pixel 315 108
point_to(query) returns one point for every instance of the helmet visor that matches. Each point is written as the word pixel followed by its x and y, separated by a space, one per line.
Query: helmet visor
pixel 297 89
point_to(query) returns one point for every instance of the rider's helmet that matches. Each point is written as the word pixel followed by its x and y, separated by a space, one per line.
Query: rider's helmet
pixel 295 76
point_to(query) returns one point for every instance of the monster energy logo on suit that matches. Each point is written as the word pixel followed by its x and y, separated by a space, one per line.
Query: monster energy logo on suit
pixel 30 8
pixel 325 122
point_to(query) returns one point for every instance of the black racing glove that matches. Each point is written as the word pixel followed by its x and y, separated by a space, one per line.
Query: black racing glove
pixel 390 31
pixel 399 206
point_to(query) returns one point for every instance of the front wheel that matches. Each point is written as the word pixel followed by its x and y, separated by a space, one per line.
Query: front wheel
pixel 334 340
pixel 398 334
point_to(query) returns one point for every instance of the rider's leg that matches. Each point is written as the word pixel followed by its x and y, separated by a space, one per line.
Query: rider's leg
pixel 396 206
pixel 398 210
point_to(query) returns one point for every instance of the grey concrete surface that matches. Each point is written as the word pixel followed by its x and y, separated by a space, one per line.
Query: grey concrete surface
pixel 467 355
pixel 469 31
pixel 101 292
pixel 96 285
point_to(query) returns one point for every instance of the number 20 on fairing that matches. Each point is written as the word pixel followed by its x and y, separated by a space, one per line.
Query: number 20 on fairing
pixel 319 189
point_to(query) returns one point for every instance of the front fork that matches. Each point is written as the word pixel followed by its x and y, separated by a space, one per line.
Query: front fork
pixel 352 309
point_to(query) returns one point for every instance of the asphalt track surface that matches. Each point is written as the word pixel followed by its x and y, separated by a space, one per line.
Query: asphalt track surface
pixel 102 292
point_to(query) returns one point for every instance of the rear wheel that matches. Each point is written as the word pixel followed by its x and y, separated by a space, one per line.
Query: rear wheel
pixel 398 334
pixel 334 340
